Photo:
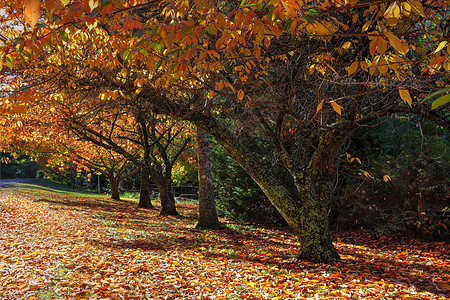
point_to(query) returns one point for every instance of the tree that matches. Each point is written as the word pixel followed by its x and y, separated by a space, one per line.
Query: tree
pixel 304 75
pixel 206 205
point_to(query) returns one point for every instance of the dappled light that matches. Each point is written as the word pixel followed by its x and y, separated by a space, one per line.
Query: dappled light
pixel 69 247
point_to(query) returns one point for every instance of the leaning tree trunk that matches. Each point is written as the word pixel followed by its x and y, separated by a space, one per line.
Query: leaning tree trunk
pixel 206 204
pixel 144 197
pixel 305 215
pixel 167 199
pixel 114 187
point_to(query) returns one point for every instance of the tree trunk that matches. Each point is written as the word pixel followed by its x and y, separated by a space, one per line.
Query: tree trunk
pixel 167 199
pixel 315 238
pixel 306 215
pixel 144 197
pixel 206 204
pixel 114 188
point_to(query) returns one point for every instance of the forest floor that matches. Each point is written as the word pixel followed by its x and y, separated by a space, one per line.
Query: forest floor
pixel 68 246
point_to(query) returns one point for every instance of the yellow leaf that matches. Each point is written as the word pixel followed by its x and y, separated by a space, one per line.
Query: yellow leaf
pixel 440 46
pixel 364 65
pixel 394 41
pixel 65 2
pixel 353 67
pixel 383 66
pixel 404 94
pixel 346 45
pixel 366 26
pixel 406 8
pixel 93 4
pixel 32 11
pixel 417 8
pixel 405 47
pixel 366 174
pixel 392 21
pixel 386 178
pixel 210 94
pixel 337 108
pixel 393 11
pixel 240 94
pixel 382 45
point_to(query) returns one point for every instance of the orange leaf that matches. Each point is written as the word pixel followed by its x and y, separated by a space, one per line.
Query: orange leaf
pixel 321 29
pixel 353 67
pixel 240 94
pixel 319 107
pixel 22 286
pixel 374 45
pixel 32 11
pixel 404 94
pixel 50 6
pixel 257 52
pixel 417 8
pixel 337 108
pixel 395 41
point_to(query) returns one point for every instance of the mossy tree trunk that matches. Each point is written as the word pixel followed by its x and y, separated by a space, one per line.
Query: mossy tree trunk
pixel 305 213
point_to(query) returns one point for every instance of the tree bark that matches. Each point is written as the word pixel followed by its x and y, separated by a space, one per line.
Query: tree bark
pixel 314 236
pixel 167 199
pixel 206 203
pixel 144 197
pixel 114 187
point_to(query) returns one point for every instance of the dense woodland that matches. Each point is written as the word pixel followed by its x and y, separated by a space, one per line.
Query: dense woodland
pixel 319 116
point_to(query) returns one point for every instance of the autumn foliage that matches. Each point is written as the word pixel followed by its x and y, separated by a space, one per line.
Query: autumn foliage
pixel 304 74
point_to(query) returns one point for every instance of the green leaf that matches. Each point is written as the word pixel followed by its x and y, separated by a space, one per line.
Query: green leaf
pixel 126 54
pixel 158 46
pixel 307 18
pixel 10 62
pixel 18 40
pixel 313 12
pixel 186 30
pixel 64 36
pixel 440 101
pixel 158 64
pixel 435 94
pixel 139 33
pixel 143 51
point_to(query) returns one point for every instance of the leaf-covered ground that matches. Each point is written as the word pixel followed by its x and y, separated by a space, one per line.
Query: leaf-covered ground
pixel 66 247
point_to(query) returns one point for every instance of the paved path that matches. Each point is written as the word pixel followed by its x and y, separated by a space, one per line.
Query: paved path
pixel 4 183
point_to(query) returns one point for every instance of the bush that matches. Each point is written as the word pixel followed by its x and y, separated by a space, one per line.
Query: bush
pixel 237 195
pixel 415 155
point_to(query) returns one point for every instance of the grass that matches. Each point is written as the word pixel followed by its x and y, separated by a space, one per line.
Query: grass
pixel 39 185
